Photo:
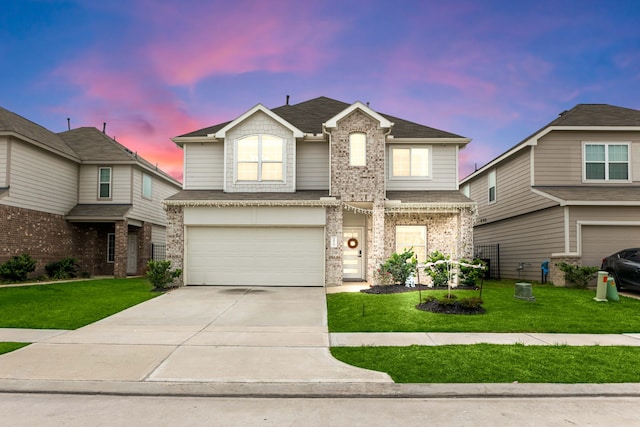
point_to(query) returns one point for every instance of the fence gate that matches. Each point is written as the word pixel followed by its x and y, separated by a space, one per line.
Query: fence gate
pixel 491 255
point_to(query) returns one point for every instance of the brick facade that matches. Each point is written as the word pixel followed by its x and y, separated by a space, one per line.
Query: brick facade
pixel 556 276
pixel 175 239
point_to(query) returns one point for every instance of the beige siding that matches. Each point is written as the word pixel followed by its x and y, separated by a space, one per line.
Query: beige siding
pixel 121 181
pixel 40 180
pixel 4 161
pixel 204 166
pixel 599 241
pixel 528 239
pixel 444 173
pixel 312 165
pixel 558 156
pixel 604 215
pixel 158 235
pixel 150 210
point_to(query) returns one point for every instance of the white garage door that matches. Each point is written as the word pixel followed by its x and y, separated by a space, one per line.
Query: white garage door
pixel 599 241
pixel 259 256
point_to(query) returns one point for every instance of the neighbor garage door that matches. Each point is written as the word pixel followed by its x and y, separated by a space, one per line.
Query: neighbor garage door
pixel 599 241
pixel 260 256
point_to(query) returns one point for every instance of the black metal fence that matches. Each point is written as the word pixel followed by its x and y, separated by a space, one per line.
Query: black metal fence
pixel 158 252
pixel 491 255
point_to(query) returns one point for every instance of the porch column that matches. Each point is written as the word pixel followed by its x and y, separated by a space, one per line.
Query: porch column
pixel 175 241
pixel 144 247
pixel 121 249
pixel 333 256
pixel 376 254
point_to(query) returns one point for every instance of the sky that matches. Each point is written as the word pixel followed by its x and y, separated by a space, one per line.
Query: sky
pixel 494 71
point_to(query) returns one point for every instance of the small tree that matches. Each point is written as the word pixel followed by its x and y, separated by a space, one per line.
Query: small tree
pixel 579 276
pixel 160 274
pixel 17 268
pixel 399 266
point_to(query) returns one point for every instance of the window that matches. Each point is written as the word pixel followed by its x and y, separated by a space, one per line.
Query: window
pixel 412 236
pixel 410 162
pixel 492 186
pixel 111 247
pixel 146 186
pixel 466 190
pixel 606 162
pixel 260 158
pixel 104 183
pixel 357 149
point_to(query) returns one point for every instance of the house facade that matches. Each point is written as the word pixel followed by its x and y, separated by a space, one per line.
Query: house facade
pixel 78 194
pixel 570 192
pixel 314 194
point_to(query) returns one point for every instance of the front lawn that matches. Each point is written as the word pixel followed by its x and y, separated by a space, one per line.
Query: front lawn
pixel 490 363
pixel 69 305
pixel 556 310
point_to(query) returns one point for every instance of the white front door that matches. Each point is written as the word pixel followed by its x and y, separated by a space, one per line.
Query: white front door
pixel 132 254
pixel 352 253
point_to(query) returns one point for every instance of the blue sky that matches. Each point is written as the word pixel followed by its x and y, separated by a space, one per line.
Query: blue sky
pixel 492 71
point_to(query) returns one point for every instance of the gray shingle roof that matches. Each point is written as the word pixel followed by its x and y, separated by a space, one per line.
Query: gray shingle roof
pixel 105 211
pixel 308 116
pixel 428 197
pixel 195 195
pixel 598 115
pixel 593 193
pixel 13 123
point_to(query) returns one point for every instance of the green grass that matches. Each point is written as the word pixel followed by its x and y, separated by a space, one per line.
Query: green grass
pixel 489 363
pixel 69 305
pixel 559 310
pixel 6 347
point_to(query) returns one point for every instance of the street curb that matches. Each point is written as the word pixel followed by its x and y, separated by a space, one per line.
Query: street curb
pixel 319 390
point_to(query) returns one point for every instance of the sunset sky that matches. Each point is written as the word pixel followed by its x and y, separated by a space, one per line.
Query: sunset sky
pixel 492 71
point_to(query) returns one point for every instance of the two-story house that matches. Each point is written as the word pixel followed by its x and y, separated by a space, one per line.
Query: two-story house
pixel 314 194
pixel 78 194
pixel 569 192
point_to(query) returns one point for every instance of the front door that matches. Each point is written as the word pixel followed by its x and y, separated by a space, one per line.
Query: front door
pixel 353 253
pixel 132 254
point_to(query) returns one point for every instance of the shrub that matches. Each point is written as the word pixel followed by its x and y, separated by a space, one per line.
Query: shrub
pixel 17 268
pixel 63 269
pixel 579 276
pixel 399 266
pixel 469 275
pixel 160 274
pixel 439 272
pixel 471 302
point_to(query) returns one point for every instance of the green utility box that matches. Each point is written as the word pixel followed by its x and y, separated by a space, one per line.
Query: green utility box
pixel 612 291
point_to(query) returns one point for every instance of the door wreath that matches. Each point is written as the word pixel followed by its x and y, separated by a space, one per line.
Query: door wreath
pixel 352 243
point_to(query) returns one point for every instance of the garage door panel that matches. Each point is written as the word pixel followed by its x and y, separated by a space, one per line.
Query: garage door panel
pixel 261 256
pixel 599 241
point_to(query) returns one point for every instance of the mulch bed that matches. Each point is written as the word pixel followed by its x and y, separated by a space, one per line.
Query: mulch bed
pixel 397 289
pixel 455 308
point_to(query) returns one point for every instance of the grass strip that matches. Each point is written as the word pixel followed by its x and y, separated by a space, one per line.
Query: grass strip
pixel 555 310
pixel 69 305
pixel 491 363
pixel 6 347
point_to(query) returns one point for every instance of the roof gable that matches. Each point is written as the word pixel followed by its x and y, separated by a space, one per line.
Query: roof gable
pixel 230 125
pixel 382 121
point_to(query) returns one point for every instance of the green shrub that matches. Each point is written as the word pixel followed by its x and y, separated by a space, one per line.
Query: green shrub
pixel 64 269
pixel 439 272
pixel 579 276
pixel 399 266
pixel 471 302
pixel 160 275
pixel 449 299
pixel 17 268
pixel 469 275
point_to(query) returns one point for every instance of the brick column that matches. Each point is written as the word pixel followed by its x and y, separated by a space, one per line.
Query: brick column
pixel 556 276
pixel 333 256
pixel 376 253
pixel 175 240
pixel 121 252
pixel 144 247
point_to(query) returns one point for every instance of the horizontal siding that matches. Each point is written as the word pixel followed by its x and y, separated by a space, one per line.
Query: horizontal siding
pixel 312 165
pixel 40 180
pixel 150 210
pixel 4 156
pixel 600 214
pixel 558 155
pixel 530 238
pixel 158 235
pixel 600 241
pixel 444 174
pixel 204 166
pixel 120 184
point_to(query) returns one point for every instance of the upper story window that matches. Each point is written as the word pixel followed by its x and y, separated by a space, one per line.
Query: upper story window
pixel 410 162
pixel 492 186
pixel 606 161
pixel 146 186
pixel 260 158
pixel 104 183
pixel 357 149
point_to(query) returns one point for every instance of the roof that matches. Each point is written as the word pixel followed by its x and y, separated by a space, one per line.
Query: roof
pixel 592 195
pixel 94 146
pixel 196 195
pixel 13 123
pixel 585 116
pixel 309 116
pixel 94 212
pixel 437 197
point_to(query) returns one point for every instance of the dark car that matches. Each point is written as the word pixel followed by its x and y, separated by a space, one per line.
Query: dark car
pixel 625 268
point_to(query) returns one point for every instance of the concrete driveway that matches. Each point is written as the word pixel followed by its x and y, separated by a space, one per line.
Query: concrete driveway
pixel 197 334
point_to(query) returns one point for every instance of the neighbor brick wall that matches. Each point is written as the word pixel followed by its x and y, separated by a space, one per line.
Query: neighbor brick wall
pixel 556 276
pixel 175 239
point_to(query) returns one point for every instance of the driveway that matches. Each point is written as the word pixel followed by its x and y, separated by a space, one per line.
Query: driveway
pixel 197 334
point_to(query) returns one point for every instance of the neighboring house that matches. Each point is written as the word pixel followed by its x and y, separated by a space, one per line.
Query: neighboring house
pixel 569 192
pixel 314 194
pixel 78 194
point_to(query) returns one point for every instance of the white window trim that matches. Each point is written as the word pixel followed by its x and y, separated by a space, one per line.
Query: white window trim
pixel 606 162
pixel 150 195
pixel 111 236
pixel 110 183
pixel 428 177
pixel 364 160
pixel 260 161
pixel 494 186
